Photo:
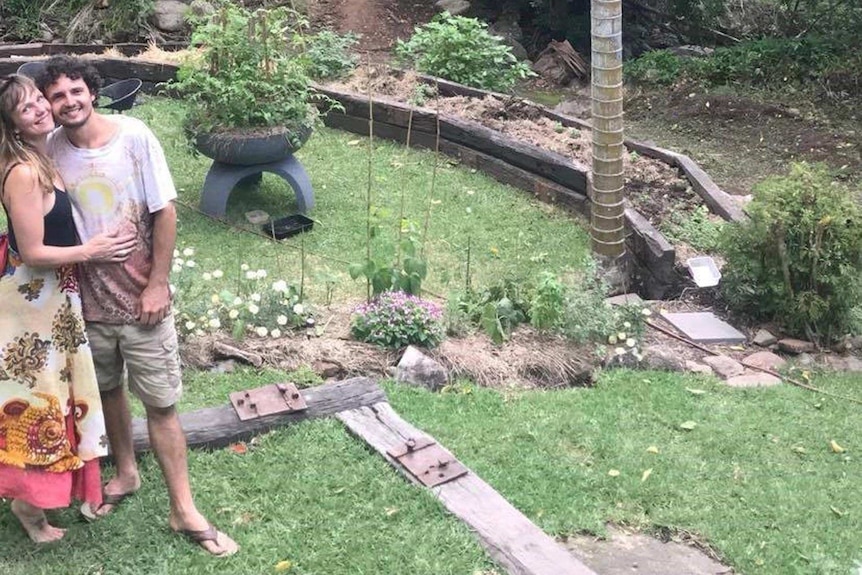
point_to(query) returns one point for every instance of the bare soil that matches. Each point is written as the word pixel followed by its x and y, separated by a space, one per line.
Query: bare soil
pixel 654 188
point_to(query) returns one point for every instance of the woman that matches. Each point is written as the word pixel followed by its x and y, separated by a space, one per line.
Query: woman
pixel 51 428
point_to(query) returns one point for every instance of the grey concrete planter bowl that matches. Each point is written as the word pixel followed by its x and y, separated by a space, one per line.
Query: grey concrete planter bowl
pixel 250 149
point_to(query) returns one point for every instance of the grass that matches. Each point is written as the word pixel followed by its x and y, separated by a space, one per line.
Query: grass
pixel 510 233
pixel 755 479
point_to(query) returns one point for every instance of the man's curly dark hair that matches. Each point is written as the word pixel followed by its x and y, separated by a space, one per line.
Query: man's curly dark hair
pixel 73 68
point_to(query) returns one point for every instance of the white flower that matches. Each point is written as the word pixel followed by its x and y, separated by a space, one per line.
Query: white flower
pixel 619 350
pixel 190 264
pixel 217 274
pixel 646 312
pixel 279 286
pixel 261 274
pixel 298 309
pixel 233 314
pixel 253 309
pixel 612 340
pixel 255 297
pixel 237 300
pixel 250 275
pixel 199 332
pixel 188 252
pixel 215 323
pixel 275 333
pixel 172 289
pixel 261 331
pixel 627 325
pixel 622 336
pixel 214 298
pixel 281 320
pixel 309 321
pixel 176 253
pixel 207 276
pixel 630 342
pixel 176 268
pixel 179 261
pixel 190 325
pixel 244 267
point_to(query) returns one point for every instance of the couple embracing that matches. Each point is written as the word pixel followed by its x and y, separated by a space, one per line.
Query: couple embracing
pixel 84 299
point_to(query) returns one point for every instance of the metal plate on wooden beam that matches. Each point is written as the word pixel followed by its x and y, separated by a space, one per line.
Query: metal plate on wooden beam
pixel 427 461
pixel 267 400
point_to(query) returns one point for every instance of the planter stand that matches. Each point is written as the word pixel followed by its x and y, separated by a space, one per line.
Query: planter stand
pixel 222 179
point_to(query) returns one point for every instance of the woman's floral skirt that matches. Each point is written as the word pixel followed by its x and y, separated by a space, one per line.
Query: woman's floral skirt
pixel 52 430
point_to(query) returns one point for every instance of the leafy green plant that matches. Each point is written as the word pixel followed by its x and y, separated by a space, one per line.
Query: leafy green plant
pixel 698 229
pixel 548 302
pixel 396 319
pixel 798 260
pixel 496 309
pixel 329 54
pixel 462 50
pixel 252 72
pixel 408 270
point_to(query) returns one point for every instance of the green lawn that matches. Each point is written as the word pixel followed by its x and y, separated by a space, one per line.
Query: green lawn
pixel 509 232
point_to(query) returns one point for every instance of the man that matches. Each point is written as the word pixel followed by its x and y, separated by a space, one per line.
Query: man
pixel 116 174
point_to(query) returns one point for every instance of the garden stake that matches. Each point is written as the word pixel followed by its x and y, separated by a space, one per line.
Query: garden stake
pixel 368 189
pixel 764 370
pixel 401 208
pixel 301 266
pixel 467 278
pixel 434 170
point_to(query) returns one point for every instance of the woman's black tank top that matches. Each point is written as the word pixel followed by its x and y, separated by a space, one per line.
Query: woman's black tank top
pixel 59 225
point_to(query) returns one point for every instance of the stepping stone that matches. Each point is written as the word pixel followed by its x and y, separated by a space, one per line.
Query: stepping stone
pixel 796 346
pixel 764 360
pixel 624 299
pixel 753 380
pixel 695 367
pixel 704 327
pixel 764 338
pixel 725 367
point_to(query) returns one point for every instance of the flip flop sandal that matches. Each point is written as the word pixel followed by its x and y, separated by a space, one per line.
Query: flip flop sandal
pixel 107 499
pixel 200 537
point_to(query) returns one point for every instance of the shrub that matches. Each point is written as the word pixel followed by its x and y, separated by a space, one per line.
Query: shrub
pixel 798 260
pixel 329 54
pixel 462 50
pixel 397 319
pixel 699 229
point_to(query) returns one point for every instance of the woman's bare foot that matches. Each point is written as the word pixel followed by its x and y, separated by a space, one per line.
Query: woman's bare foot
pixel 35 523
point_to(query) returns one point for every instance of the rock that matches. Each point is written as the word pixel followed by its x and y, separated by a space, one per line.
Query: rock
pixel 169 15
pixel 624 299
pixel 724 366
pixel 418 369
pixel 659 358
pixel 849 363
pixel 257 217
pixel 691 51
pixel 796 346
pixel 764 338
pixel 805 360
pixel 201 8
pixel 453 7
pixel 226 366
pixel 327 369
pixel 695 367
pixel 764 360
pixel 507 28
pixel 753 380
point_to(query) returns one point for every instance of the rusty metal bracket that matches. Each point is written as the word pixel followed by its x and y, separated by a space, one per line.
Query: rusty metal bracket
pixel 427 461
pixel 267 400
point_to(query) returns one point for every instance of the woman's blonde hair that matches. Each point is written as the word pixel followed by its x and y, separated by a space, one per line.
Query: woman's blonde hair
pixel 13 150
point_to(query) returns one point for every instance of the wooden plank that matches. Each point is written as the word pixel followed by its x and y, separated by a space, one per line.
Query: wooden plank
pixel 510 538
pixel 121 68
pixel 125 48
pixel 714 197
pixel 219 426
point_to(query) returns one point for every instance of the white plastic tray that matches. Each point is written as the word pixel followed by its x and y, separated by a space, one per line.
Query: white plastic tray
pixel 704 271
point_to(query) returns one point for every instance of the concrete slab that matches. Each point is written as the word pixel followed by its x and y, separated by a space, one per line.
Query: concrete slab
pixel 627 553
pixel 624 299
pixel 704 327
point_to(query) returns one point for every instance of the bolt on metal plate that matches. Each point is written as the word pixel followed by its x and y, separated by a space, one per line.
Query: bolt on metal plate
pixel 267 400
pixel 427 461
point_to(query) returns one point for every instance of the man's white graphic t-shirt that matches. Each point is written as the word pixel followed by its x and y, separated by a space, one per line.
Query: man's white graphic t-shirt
pixel 117 187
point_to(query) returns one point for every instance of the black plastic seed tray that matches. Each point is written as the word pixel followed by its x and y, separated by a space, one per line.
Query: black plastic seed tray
pixel 288 226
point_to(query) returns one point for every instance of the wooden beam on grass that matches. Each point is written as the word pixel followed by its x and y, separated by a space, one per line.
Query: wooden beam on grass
pixel 220 426
pixel 509 537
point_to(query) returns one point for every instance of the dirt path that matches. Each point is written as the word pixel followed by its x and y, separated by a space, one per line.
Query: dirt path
pixel 379 22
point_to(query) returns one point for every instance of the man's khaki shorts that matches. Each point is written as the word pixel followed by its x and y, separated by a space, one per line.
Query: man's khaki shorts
pixel 150 355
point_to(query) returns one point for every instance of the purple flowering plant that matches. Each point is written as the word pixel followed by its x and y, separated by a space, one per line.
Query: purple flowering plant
pixel 396 319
